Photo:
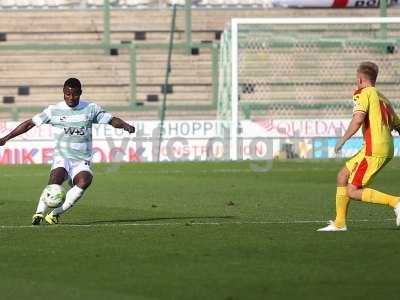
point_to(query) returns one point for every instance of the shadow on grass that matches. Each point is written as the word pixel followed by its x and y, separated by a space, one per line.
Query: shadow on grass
pixel 191 219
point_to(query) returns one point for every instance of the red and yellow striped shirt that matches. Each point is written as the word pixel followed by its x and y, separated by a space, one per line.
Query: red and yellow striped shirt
pixel 379 122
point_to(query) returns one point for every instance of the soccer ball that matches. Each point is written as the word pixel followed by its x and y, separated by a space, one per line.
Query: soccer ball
pixel 53 195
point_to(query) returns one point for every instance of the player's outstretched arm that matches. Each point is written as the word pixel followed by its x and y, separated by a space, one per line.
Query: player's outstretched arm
pixel 355 124
pixel 119 123
pixel 20 129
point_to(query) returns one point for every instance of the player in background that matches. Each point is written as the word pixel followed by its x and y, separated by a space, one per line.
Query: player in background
pixel 72 121
pixel 373 111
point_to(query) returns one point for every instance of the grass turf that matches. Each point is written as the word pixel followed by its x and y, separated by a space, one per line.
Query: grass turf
pixel 198 231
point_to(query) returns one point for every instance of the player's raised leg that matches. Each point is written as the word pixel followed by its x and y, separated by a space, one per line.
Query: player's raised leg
pixel 377 197
pixel 358 184
pixel 81 182
pixel 57 176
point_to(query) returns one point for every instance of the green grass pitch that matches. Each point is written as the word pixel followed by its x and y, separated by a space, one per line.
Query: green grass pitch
pixel 198 231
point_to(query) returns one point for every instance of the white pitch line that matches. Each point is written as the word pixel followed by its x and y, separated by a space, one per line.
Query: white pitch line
pixel 189 223
pixel 142 172
pixel 177 171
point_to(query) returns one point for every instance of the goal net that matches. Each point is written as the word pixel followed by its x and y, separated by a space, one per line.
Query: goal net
pixel 301 67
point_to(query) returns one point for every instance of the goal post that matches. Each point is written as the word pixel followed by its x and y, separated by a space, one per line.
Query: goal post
pixel 286 67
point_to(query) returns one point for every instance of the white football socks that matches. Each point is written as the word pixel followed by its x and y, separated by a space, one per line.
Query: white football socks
pixel 41 208
pixel 72 196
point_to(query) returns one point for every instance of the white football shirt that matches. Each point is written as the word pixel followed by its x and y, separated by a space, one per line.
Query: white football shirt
pixel 73 127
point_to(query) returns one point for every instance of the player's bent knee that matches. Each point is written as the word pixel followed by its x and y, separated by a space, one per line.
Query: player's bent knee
pixel 58 176
pixel 83 180
pixel 83 184
pixel 350 193
pixel 354 192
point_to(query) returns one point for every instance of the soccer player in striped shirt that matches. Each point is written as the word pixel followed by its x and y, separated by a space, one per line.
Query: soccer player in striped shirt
pixel 373 111
pixel 72 121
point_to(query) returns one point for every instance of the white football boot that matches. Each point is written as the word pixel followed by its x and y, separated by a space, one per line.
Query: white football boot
pixel 397 212
pixel 332 227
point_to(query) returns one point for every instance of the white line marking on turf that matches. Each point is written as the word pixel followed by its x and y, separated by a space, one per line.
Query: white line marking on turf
pixel 188 223
pixel 141 172
pixel 179 171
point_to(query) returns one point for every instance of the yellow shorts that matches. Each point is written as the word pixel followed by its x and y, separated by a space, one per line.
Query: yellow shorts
pixel 363 168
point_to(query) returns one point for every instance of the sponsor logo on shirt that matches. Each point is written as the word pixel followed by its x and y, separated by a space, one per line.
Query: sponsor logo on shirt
pixel 75 130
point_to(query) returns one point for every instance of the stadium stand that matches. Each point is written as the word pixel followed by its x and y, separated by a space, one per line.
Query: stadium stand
pixel 106 77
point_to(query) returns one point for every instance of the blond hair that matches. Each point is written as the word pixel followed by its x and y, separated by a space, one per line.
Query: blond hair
pixel 369 69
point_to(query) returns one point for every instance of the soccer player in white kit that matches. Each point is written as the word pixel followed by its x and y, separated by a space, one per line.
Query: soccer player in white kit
pixel 72 121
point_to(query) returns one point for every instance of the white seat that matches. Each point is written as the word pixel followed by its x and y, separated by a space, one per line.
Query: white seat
pixel 177 2
pixel 213 2
pixel 54 3
pixel 260 3
pixel 22 3
pixel 264 3
pixel 38 3
pixel 95 2
pixel 73 3
pixel 7 3
pixel 136 2
pixel 232 2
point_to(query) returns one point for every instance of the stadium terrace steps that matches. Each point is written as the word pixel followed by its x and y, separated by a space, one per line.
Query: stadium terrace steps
pixel 106 78
pixel 109 89
pixel 209 19
pixel 128 21
pixel 102 81
pixel 114 76
pixel 109 99
pixel 90 36
pixel 191 76
pixel 96 60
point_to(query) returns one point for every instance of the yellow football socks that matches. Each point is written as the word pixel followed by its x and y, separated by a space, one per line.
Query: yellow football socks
pixel 373 196
pixel 342 202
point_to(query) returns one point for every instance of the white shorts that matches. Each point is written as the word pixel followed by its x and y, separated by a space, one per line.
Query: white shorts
pixel 73 167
